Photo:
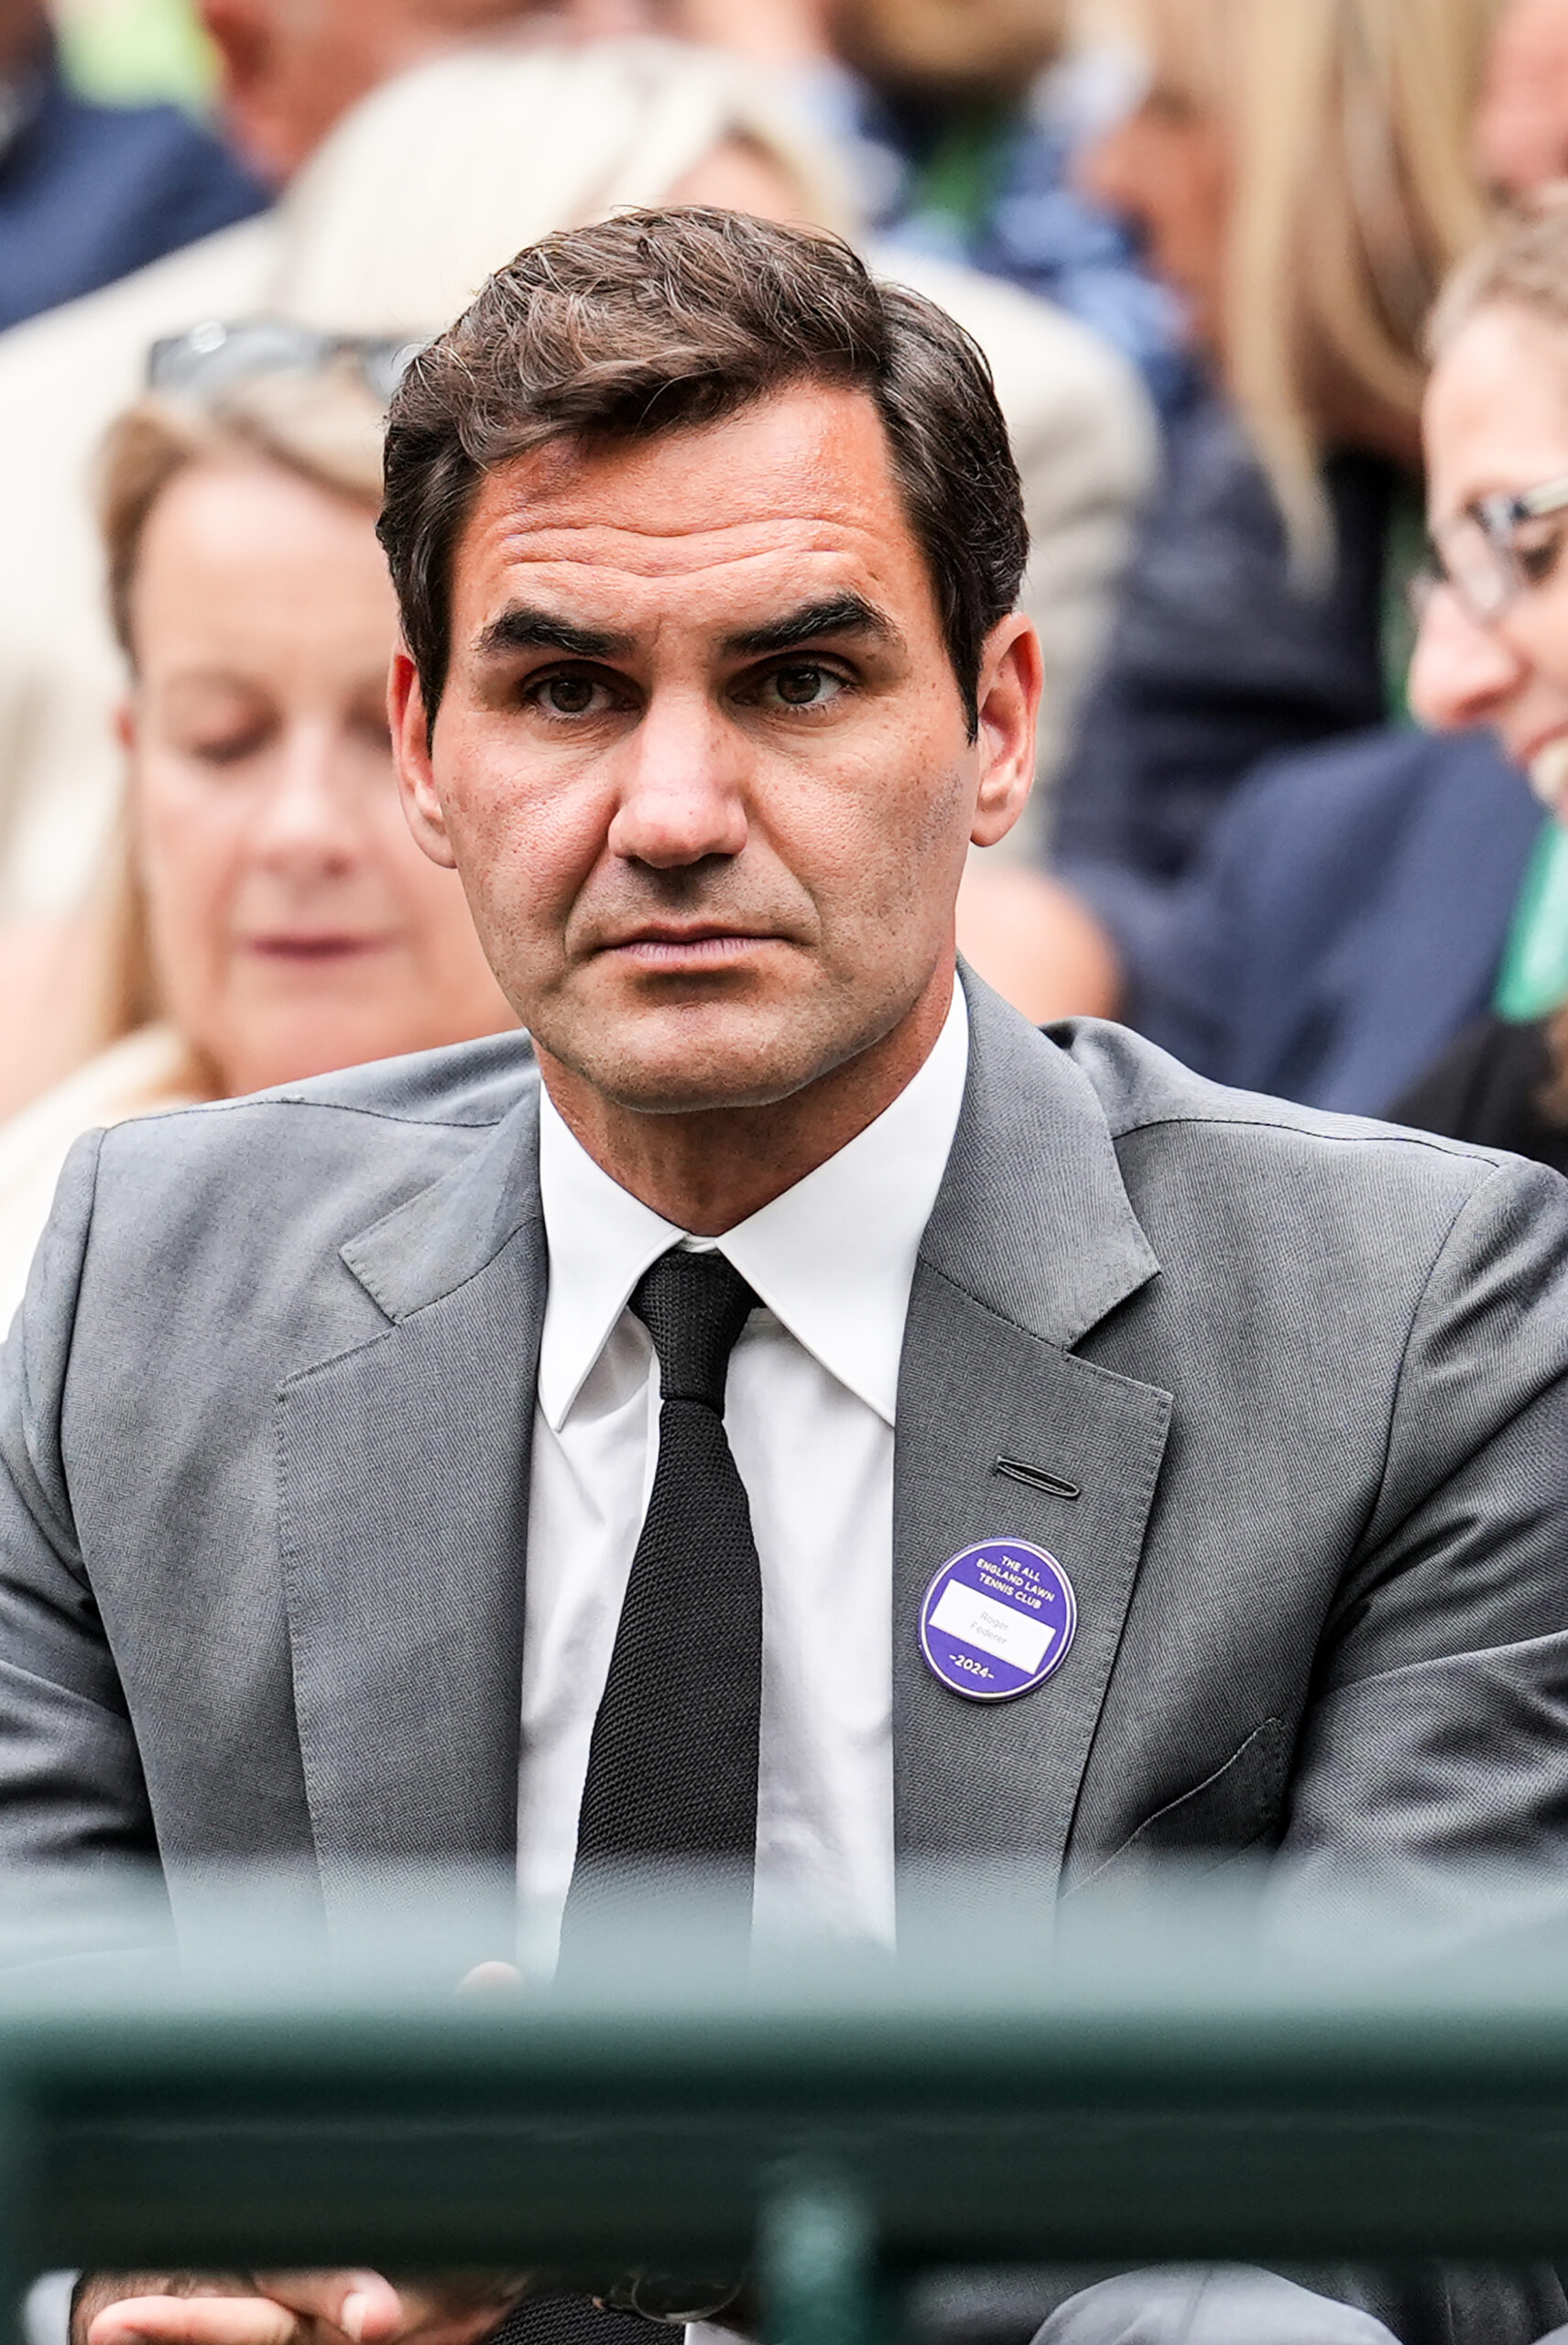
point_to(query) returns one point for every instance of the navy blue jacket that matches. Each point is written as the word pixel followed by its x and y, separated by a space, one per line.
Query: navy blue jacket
pixel 89 193
pixel 1217 660
pixel 1345 919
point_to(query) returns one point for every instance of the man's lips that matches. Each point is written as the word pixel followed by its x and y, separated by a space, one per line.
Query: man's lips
pixel 691 948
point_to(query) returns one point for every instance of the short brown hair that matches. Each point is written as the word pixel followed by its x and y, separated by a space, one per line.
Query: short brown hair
pixel 655 321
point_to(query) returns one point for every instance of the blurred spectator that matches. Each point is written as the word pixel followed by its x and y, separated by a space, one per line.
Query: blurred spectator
pixel 389 229
pixel 968 137
pixel 270 916
pixel 1344 919
pixel 1302 174
pixel 959 119
pixel 1521 132
pixel 90 192
pixel 1355 907
pixel 288 72
pixel 1494 638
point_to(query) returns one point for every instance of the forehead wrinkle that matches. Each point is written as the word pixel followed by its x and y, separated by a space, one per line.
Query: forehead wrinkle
pixel 809 468
pixel 813 507
pixel 617 545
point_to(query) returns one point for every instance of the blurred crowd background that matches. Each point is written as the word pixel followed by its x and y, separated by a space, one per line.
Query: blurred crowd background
pixel 1199 242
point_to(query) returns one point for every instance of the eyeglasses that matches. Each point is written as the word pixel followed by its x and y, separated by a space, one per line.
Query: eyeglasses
pixel 210 358
pixel 1493 552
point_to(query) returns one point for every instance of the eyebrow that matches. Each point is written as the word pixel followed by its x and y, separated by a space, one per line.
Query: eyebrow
pixel 835 614
pixel 526 628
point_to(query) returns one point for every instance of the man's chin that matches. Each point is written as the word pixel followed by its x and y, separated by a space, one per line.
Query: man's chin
pixel 661 1066
pixel 712 1090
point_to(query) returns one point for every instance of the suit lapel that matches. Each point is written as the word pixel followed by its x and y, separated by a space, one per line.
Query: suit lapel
pixel 1031 1243
pixel 404 1476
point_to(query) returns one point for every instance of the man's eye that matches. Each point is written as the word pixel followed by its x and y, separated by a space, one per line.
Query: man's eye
pixel 570 696
pixel 805 685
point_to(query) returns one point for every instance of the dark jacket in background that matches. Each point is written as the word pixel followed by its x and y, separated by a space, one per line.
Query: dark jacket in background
pixel 1216 663
pixel 1487 1089
pixel 89 193
pixel 1344 921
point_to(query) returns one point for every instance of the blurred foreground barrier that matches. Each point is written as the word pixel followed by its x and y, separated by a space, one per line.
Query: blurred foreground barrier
pixel 1160 2076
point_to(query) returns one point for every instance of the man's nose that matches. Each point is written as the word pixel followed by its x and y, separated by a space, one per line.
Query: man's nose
pixel 683 797
pixel 1461 672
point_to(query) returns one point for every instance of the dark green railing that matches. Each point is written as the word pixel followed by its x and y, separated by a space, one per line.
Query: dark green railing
pixel 1170 2077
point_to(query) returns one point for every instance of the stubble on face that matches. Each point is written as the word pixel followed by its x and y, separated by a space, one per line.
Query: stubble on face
pixel 701 898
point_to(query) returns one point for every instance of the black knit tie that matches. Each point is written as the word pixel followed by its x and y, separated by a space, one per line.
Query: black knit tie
pixel 672 1765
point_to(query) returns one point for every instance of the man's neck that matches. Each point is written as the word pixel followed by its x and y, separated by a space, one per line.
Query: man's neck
pixel 709 1170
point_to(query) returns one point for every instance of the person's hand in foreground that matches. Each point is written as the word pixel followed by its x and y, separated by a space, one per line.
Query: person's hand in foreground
pixel 290 2309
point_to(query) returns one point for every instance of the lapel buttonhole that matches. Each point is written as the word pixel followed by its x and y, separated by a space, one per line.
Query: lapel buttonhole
pixel 1036 1477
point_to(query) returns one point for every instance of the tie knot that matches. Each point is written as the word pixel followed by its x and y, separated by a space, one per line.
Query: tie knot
pixel 694 1306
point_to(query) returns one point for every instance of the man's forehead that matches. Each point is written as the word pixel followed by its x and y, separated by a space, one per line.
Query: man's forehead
pixel 792 480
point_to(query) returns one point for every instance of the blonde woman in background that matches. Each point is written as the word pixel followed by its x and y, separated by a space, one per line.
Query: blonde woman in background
pixel 268 916
pixel 1328 192
pixel 419 193
pixel 1301 176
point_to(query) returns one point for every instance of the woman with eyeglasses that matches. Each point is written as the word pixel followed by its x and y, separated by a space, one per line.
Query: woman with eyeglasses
pixel 1493 643
pixel 270 916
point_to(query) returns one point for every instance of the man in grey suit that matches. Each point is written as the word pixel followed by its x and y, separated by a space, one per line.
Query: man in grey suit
pixel 788 1410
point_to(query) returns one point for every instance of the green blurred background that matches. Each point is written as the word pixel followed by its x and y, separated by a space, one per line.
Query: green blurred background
pixel 132 52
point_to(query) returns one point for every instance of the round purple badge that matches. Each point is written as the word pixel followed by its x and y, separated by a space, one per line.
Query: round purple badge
pixel 997 1618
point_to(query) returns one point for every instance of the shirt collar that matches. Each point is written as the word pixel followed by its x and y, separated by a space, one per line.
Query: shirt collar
pixel 833 1258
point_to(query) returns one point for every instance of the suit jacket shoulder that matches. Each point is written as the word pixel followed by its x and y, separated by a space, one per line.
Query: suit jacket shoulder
pixel 263 1430
pixel 1140 1085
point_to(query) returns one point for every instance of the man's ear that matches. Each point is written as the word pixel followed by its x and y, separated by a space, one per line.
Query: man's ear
pixel 126 725
pixel 411 755
pixel 1012 676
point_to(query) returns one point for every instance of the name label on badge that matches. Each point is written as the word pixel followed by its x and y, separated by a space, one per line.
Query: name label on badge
pixel 997 1618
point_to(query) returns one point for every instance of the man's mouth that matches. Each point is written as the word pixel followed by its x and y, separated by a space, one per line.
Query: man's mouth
pixel 681 949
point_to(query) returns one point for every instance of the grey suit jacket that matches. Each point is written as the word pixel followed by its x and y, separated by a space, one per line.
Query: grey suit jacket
pixel 1287 1394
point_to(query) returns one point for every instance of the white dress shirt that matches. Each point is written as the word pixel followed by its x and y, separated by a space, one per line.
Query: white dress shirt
pixel 808 1408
